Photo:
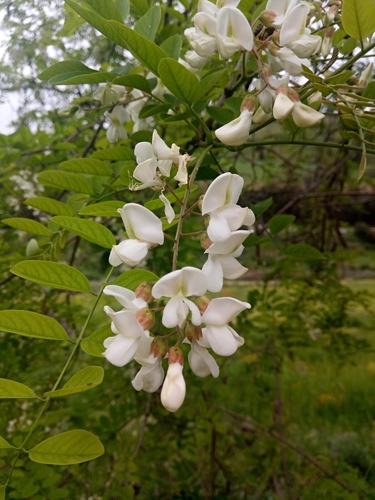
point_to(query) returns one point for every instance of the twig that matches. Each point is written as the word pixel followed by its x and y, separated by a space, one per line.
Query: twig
pixel 143 428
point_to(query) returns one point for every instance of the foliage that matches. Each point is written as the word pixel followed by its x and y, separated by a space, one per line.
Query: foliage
pixel 291 413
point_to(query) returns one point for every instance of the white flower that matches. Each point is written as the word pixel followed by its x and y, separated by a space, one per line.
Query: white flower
pixel 168 209
pixel 237 131
pixel 144 230
pixel 267 95
pixel 122 348
pixel 151 375
pixel 109 94
pixel 174 387
pixel 222 260
pixel 233 32
pixel 281 9
pixel 125 297
pixel 200 360
pixel 283 107
pixel 287 60
pixel 178 285
pixel 195 60
pixel 220 203
pixel 116 131
pixel 304 116
pixel 222 339
pixel 203 44
pixel 296 36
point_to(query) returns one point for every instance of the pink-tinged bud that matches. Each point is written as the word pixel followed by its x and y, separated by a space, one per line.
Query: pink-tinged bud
pixel 175 355
pixel 327 41
pixel 267 18
pixel 192 332
pixel 329 17
pixel 205 241
pixel 273 49
pixel 159 347
pixel 143 291
pixel 146 318
pixel 293 95
pixel 202 303
pixel 249 102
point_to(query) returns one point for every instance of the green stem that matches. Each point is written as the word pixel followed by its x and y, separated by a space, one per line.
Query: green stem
pixel 63 371
pixel 335 145
pixel 184 204
pixel 207 131
pixel 353 59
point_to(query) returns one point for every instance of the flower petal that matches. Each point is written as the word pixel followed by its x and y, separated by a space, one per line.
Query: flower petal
pixel 201 362
pixel 237 131
pixel 126 323
pixel 221 310
pixel 220 339
pixel 175 313
pixel 223 190
pixel 174 388
pixel 142 224
pixel 130 252
pixel 121 350
pixel 232 269
pixel 232 23
pixel 214 272
pixel 124 296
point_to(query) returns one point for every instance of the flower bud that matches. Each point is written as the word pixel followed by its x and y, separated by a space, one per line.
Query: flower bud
pixel 249 102
pixel 32 248
pixel 329 17
pixel 276 39
pixel 273 49
pixel 327 41
pixel 202 303
pixel 159 347
pixel 267 18
pixel 174 387
pixel 200 201
pixel 146 318
pixel 205 240
pixel 192 332
pixel 143 291
pixel 366 76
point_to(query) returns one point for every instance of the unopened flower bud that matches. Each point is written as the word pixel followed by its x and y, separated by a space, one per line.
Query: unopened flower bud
pixel 192 332
pixel 174 387
pixel 146 318
pixel 276 39
pixel 32 248
pixel 205 240
pixel 202 303
pixel 366 76
pixel 143 291
pixel 249 102
pixel 159 347
pixel 200 201
pixel 273 49
pixel 175 355
pixel 267 18
pixel 327 41
pixel 329 17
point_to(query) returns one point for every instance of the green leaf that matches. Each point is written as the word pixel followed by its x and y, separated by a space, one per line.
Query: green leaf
pixel 135 82
pixel 72 447
pixel 5 445
pixel 148 24
pixel 221 115
pixel 262 206
pixel 93 344
pixel 87 166
pixel 108 9
pixel 31 324
pixel 179 80
pixel 254 239
pixel 211 80
pixel 63 67
pixel 362 166
pixel 49 205
pixel 369 91
pixel 103 209
pixel 358 18
pixel 9 389
pixel 84 380
pixel 87 229
pixel 118 153
pixel 52 274
pixel 307 73
pixel 301 251
pixel 123 7
pixel 172 46
pixel 279 222
pixel 65 180
pixel 339 78
pixel 134 277
pixel 143 50
pixel 81 79
pixel 152 110
pixel 27 225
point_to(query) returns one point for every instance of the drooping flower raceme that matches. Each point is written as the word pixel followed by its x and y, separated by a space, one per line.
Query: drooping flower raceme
pixel 144 230
pixel 222 339
pixel 178 285
pixel 219 203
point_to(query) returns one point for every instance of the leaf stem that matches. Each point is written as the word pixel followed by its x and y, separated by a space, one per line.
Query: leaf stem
pixel 63 371
pixel 184 204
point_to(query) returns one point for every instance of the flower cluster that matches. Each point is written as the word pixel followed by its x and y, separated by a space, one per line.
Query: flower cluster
pixel 194 318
